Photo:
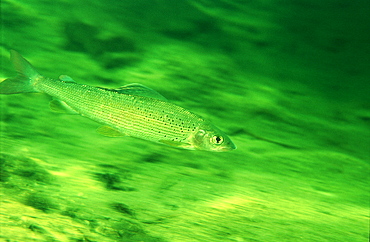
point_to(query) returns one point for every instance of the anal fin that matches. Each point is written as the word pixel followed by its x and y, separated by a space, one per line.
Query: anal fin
pixel 61 107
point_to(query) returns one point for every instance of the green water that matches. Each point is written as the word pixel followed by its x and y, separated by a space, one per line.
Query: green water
pixel 287 80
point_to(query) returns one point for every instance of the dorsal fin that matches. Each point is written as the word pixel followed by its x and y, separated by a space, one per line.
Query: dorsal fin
pixel 137 89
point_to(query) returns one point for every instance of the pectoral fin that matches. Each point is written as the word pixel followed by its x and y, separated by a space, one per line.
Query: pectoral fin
pixel 109 131
pixel 177 144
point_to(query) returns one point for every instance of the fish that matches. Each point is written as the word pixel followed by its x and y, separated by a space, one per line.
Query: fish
pixel 131 110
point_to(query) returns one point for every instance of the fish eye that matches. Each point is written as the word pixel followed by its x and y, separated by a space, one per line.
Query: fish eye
pixel 216 139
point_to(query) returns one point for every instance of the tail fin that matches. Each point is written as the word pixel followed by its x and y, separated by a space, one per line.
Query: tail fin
pixel 23 81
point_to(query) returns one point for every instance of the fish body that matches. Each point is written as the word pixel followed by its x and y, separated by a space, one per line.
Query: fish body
pixel 133 110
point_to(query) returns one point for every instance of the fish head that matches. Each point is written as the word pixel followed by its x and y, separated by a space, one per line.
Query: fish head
pixel 210 138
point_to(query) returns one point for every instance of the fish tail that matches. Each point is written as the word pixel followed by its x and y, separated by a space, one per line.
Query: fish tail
pixel 23 82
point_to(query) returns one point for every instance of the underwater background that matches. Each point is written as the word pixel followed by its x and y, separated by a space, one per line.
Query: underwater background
pixel 288 81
